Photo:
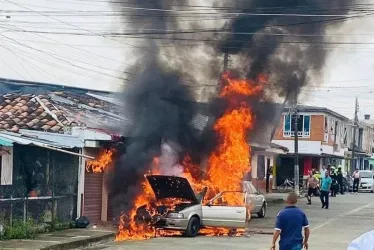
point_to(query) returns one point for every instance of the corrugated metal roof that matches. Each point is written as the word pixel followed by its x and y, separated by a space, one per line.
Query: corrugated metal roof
pixel 41 139
pixel 5 143
pixel 66 141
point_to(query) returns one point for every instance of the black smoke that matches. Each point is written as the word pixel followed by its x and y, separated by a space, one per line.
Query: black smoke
pixel 287 48
pixel 151 102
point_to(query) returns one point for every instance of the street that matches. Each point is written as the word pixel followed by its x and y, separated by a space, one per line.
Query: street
pixel 349 216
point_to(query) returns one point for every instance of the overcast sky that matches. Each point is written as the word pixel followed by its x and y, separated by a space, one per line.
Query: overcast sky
pixel 97 62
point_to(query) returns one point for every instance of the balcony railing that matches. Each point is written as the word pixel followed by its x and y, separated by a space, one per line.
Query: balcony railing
pixel 303 134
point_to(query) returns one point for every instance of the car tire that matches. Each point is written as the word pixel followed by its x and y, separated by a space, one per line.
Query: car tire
pixel 193 227
pixel 262 212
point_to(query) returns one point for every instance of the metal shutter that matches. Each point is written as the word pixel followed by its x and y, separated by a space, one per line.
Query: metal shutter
pixel 110 208
pixel 93 185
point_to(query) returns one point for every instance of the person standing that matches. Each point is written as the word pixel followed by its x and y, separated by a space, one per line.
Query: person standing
pixel 334 185
pixel 323 171
pixel 289 225
pixel 340 180
pixel 325 190
pixel 269 172
pixel 356 181
pixel 312 183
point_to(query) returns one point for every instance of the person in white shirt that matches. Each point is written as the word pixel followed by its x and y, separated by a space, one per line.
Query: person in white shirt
pixel 364 242
pixel 356 180
pixel 323 171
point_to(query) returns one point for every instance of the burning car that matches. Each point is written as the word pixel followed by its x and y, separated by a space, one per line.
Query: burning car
pixel 180 208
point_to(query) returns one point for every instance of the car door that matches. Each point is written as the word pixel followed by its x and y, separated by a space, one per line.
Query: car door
pixel 256 199
pixel 219 213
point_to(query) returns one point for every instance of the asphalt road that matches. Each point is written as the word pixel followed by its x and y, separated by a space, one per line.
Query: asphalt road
pixel 349 216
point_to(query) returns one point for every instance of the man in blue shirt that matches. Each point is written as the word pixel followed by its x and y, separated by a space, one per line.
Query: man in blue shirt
pixel 289 225
pixel 325 190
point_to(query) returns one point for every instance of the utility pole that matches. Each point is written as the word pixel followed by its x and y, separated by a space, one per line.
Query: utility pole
pixel 355 122
pixel 225 68
pixel 295 117
pixel 225 61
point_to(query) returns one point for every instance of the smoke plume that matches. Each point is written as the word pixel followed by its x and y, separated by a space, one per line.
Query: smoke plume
pixel 160 128
pixel 286 47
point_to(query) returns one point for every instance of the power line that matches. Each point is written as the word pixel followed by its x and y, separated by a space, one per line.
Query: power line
pixel 183 59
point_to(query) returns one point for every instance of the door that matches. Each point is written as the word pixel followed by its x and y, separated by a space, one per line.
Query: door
pixel 254 198
pixel 93 185
pixel 226 210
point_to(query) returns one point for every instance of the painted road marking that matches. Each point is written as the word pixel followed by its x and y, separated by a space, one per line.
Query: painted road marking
pixel 342 215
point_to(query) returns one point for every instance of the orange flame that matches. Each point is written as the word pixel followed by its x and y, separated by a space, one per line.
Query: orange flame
pixel 227 165
pixel 104 160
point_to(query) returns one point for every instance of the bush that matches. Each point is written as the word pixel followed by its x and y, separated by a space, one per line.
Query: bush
pixel 18 230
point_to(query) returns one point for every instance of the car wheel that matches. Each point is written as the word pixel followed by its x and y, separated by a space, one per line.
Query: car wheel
pixel 193 227
pixel 262 212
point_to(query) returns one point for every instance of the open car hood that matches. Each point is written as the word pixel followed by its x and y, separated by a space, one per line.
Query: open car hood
pixel 171 187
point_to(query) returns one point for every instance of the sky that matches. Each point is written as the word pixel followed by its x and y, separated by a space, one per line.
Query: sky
pixel 99 62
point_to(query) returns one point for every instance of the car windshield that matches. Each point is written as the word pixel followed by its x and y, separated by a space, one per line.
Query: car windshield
pixel 366 174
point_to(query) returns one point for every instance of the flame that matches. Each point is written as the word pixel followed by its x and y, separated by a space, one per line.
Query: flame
pixel 227 165
pixel 104 160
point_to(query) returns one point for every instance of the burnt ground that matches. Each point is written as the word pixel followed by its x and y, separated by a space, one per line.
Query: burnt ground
pixel 348 217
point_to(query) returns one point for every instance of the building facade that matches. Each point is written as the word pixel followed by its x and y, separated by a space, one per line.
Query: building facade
pixel 364 145
pixel 323 140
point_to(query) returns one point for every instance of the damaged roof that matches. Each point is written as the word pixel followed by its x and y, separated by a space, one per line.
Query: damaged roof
pixel 52 108
pixel 30 112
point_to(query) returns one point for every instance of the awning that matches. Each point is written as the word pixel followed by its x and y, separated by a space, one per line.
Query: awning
pixel 316 155
pixel 8 139
pixel 5 143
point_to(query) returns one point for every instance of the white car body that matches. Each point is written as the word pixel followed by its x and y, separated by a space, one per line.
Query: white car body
pixel 366 181
pixel 191 216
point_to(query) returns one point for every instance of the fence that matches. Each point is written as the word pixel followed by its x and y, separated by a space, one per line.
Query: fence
pixel 43 191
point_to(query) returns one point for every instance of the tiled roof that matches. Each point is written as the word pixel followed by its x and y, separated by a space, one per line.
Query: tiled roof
pixel 31 112
pixel 49 107
pixel 87 100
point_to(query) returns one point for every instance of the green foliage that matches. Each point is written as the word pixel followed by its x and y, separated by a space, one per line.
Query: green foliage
pixel 18 230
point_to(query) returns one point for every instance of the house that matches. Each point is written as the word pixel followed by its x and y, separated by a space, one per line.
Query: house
pixel 364 144
pixel 323 140
pixel 264 153
pixel 39 114
pixel 38 177
pixel 371 158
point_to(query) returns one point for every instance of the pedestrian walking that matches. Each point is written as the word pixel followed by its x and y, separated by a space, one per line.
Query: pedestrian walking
pixel 356 181
pixel 340 180
pixel 325 190
pixel 289 225
pixel 312 185
pixel 364 242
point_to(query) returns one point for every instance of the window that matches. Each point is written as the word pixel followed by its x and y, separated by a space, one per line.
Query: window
pixel 303 126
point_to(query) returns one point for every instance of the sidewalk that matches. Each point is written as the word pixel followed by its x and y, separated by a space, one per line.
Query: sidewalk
pixel 275 198
pixel 67 239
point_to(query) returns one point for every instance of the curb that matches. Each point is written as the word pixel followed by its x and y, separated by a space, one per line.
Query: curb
pixel 276 201
pixel 80 243
pixel 264 232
